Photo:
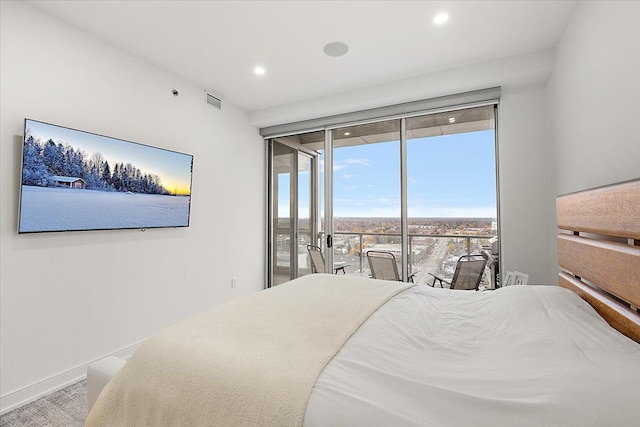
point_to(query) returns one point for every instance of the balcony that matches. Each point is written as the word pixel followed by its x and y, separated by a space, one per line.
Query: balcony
pixel 428 253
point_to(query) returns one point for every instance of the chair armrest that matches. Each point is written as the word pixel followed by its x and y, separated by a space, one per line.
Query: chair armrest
pixel 440 279
pixel 412 275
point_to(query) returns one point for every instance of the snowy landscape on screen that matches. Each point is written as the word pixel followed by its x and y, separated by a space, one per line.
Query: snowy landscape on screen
pixel 76 180
pixel 55 209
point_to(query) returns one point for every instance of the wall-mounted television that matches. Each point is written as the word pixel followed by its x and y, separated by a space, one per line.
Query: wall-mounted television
pixel 77 181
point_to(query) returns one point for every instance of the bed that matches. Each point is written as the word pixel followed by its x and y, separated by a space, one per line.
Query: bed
pixel 327 350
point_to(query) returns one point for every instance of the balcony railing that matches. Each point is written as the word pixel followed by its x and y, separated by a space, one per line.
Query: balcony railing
pixel 428 253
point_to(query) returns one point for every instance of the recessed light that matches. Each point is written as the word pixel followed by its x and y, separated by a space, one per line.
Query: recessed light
pixel 452 120
pixel 347 133
pixel 260 71
pixel 441 18
pixel 336 49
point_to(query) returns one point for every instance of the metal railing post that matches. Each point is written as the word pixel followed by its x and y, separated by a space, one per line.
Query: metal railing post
pixel 361 255
pixel 409 257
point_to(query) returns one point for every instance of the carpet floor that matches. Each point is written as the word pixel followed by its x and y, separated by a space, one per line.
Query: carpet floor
pixel 63 408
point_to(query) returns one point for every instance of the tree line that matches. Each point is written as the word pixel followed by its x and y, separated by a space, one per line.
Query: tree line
pixel 43 161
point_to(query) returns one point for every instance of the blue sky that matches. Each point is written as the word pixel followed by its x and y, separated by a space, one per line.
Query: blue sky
pixel 451 176
pixel 448 176
pixel 174 169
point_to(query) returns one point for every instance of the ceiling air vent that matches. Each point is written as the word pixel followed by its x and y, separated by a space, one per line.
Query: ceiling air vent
pixel 213 101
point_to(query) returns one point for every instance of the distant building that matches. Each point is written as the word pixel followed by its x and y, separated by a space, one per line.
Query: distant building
pixel 70 181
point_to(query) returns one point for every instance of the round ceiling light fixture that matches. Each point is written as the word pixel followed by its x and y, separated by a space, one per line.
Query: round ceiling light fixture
pixel 336 49
pixel 441 18
pixel 260 71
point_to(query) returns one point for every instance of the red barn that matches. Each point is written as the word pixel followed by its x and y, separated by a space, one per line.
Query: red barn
pixel 70 181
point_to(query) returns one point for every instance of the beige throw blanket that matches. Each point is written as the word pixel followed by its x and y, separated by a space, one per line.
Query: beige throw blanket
pixel 250 362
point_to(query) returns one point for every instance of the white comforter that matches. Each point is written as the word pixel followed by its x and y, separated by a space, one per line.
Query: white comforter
pixel 518 356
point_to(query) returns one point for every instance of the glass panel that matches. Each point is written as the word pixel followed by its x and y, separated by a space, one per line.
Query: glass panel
pixel 451 188
pixel 282 169
pixel 366 192
pixel 304 213
pixel 312 142
pixel 294 216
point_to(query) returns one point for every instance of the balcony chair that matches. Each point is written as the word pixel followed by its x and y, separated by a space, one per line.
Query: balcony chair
pixel 317 261
pixel 468 273
pixel 383 266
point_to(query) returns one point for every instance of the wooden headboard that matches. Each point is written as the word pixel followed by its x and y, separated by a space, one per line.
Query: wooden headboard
pixel 599 251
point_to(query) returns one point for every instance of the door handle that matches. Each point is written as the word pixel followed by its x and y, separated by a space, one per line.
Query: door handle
pixel 329 241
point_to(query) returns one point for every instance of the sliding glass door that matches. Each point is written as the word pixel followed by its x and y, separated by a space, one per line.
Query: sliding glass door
pixel 366 193
pixel 451 190
pixel 293 213
pixel 423 187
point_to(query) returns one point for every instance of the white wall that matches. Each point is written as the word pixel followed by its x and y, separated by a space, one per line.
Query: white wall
pixel 594 95
pixel 526 168
pixel 69 298
pixel 577 132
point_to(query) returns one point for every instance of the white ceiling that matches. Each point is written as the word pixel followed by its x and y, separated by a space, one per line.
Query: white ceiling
pixel 216 44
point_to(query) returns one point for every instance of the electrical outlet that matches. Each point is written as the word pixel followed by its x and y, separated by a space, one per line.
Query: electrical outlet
pixel 233 282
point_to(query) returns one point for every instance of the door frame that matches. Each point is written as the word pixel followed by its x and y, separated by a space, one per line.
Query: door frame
pixel 297 149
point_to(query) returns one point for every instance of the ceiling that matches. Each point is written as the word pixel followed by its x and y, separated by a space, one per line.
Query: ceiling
pixel 216 44
pixel 427 125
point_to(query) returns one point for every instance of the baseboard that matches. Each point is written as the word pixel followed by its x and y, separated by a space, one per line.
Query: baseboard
pixel 17 398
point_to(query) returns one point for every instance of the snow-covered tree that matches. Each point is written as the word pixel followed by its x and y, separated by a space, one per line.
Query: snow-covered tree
pixel 106 174
pixel 53 157
pixel 34 171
